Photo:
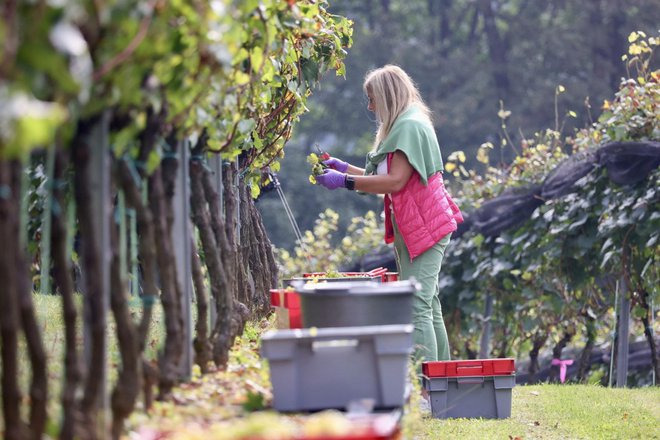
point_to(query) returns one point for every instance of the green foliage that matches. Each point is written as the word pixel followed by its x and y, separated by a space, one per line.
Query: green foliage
pixel 254 402
pixel 316 252
pixel 241 71
pixel 26 123
pixel 446 50
pixel 559 268
pixel 634 113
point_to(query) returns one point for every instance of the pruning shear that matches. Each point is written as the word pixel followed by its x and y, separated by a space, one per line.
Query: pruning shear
pixel 323 155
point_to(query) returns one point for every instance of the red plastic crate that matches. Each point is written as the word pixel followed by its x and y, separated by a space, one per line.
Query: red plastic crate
pixel 475 367
pixel 287 306
pixel 391 276
pixel 284 298
pixel 277 297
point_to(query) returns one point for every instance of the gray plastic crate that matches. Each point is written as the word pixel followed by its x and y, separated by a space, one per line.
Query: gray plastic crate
pixel 320 280
pixel 487 397
pixel 315 369
pixel 351 304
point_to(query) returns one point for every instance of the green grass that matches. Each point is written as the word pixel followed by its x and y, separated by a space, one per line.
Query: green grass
pixel 560 412
pixel 49 315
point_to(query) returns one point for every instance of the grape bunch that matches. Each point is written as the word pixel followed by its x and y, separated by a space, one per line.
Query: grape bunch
pixel 317 166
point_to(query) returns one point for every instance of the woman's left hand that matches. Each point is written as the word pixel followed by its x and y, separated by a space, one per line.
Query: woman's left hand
pixel 336 164
pixel 332 179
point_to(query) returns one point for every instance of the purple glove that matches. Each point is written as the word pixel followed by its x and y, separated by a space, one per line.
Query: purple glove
pixel 336 164
pixel 332 179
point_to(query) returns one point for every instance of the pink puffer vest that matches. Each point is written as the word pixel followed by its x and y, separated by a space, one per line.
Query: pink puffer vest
pixel 424 213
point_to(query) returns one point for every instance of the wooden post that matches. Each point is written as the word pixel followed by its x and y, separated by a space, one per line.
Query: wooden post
pixel 123 234
pixel 216 165
pixel 610 376
pixel 99 180
pixel 654 379
pixel 623 330
pixel 237 183
pixel 484 343
pixel 182 250
pixel 23 214
pixel 133 258
pixel 44 243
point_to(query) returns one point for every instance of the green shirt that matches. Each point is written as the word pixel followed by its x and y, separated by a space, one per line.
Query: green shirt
pixel 412 134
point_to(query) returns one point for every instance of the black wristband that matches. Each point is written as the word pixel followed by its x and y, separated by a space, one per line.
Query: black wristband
pixel 350 183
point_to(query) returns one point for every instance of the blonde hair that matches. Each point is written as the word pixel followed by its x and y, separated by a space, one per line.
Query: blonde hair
pixel 393 92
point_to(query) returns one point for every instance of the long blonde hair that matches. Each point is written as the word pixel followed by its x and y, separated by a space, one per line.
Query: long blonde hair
pixel 393 92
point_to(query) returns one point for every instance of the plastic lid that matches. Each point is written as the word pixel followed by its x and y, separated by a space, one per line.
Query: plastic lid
pixel 358 288
pixel 473 367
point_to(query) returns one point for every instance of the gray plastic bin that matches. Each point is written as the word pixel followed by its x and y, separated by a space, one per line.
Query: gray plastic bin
pixel 350 304
pixel 487 397
pixel 321 280
pixel 315 369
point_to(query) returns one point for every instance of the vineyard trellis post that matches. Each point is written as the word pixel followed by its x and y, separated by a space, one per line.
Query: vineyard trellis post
pixel 484 343
pixel 182 250
pixel 99 180
pixel 237 181
pixel 216 166
pixel 623 329
pixel 133 261
pixel 215 162
pixel 44 280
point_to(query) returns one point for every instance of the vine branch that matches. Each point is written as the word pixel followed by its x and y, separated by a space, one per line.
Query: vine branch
pixel 130 48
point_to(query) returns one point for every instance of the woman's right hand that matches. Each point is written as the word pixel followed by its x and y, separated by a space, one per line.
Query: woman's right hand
pixel 332 179
pixel 336 164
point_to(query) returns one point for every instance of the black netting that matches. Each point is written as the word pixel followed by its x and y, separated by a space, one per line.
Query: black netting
pixel 509 209
pixel 561 180
pixel 463 227
pixel 372 260
pixel 629 162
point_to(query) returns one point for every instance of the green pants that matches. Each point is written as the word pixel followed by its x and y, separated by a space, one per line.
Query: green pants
pixel 430 336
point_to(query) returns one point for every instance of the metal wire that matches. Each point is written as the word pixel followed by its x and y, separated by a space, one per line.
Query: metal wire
pixel 289 214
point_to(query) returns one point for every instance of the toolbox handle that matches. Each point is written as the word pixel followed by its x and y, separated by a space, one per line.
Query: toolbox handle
pixel 334 344
pixel 472 368
pixel 469 380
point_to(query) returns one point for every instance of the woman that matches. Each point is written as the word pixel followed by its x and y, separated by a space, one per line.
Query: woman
pixel 406 166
